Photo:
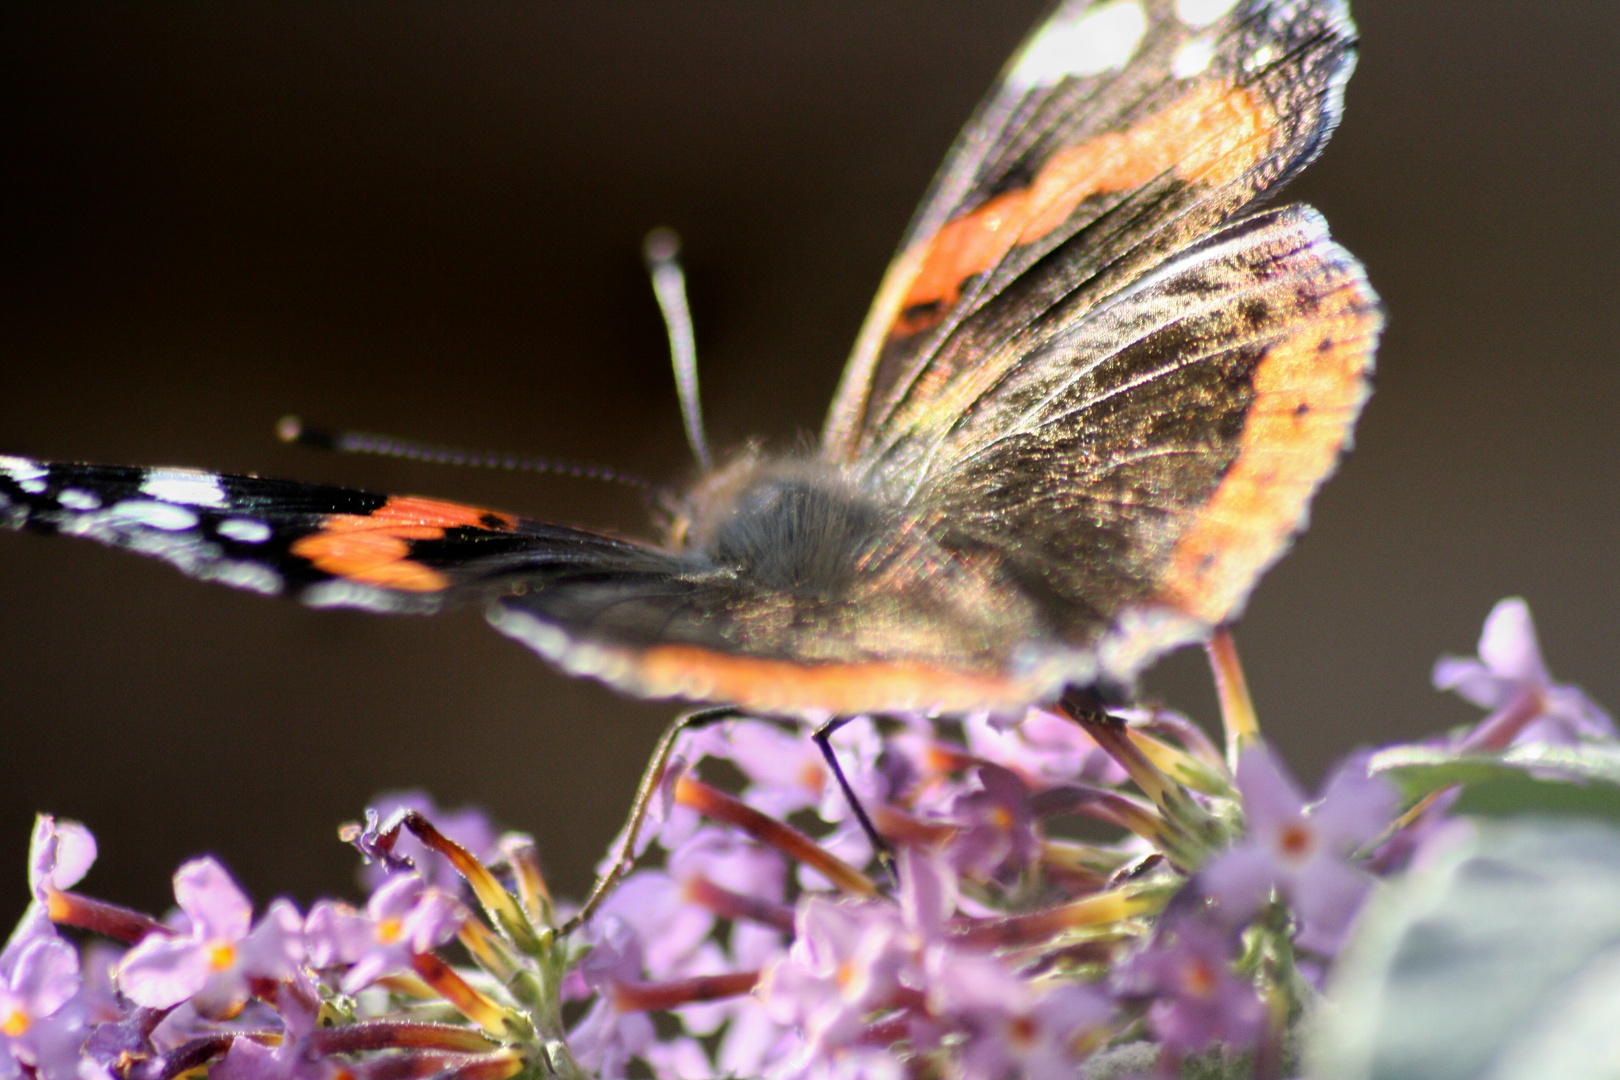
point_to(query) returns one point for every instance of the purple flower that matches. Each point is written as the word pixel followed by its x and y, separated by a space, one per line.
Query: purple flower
pixel 845 964
pixel 658 904
pixel 1510 678
pixel 34 1028
pixel 402 920
pixel 291 1057
pixel 1042 747
pixel 467 826
pixel 215 964
pixel 608 1037
pixel 996 838
pixel 1197 998
pixel 1013 1030
pixel 681 1058
pixel 850 961
pixel 784 769
pixel 59 855
pixel 1301 854
pixel 853 1063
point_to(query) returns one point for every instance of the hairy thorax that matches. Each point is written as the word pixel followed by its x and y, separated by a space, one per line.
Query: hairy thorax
pixel 794 525
pixel 866 574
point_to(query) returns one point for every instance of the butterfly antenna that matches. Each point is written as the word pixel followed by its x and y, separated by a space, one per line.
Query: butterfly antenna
pixel 293 430
pixel 662 249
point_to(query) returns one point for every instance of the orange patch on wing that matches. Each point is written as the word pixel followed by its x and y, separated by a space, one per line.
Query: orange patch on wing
pixel 1308 391
pixel 1211 136
pixel 374 548
pixel 842 689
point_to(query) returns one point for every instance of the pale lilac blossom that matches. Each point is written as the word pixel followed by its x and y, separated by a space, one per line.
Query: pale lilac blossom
pixel 1300 851
pixel 467 826
pixel 1042 747
pixel 1013 1029
pixel 1510 678
pixel 1197 999
pixel 215 964
pixel 60 853
pixel 997 837
pixel 607 1038
pixel 35 1030
pixel 402 920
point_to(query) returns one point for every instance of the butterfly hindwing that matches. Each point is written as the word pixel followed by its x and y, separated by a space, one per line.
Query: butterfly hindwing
pixel 1144 466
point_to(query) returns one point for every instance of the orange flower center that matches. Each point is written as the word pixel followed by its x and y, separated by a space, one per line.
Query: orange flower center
pixel 1021 1031
pixel 15 1023
pixel 221 955
pixel 1201 980
pixel 1296 841
pixel 389 931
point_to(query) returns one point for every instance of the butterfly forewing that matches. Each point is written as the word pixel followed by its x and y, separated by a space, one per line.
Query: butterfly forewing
pixel 328 546
pixel 1120 133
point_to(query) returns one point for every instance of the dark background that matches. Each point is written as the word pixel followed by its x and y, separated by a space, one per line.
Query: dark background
pixel 424 219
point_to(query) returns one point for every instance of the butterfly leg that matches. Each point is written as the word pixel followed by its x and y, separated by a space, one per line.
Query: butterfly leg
pixel 624 849
pixel 881 846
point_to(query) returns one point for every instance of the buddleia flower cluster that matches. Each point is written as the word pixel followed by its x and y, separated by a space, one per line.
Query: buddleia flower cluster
pixel 1076 892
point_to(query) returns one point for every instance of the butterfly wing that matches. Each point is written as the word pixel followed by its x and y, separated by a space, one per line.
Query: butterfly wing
pixel 327 546
pixel 1120 132
pixel 1143 467
pixel 1093 361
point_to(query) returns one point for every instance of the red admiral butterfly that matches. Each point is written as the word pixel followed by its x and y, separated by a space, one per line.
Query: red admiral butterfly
pixel 1090 405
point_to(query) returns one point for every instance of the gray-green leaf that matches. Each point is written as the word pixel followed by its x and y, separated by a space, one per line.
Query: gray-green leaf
pixel 1499 960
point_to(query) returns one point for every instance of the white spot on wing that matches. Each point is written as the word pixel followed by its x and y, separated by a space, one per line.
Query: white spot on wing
pixel 77 499
pixel 188 487
pixel 254 577
pixel 1084 42
pixel 28 475
pixel 543 638
pixel 1264 55
pixel 1192 58
pixel 244 530
pixel 354 594
pixel 151 514
pixel 1199 13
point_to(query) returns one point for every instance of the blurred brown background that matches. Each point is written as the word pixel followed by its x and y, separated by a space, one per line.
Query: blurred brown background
pixel 424 219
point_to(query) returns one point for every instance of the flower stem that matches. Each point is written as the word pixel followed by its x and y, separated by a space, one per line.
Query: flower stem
pixel 1099 909
pixel 499 903
pixel 472 1003
pixel 98 916
pixel 714 803
pixel 656 997
pixel 1237 707
pixel 400 1034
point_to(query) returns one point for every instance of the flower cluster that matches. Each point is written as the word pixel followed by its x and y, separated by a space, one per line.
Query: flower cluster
pixel 1000 899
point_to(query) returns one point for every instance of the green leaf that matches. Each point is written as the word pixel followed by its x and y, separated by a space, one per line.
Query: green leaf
pixel 1422 770
pixel 1499 958
pixel 1519 793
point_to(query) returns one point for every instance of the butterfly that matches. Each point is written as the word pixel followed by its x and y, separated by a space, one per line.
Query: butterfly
pixel 1095 393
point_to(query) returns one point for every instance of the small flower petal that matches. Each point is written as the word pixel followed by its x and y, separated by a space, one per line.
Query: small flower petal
pixel 217 906
pixel 161 971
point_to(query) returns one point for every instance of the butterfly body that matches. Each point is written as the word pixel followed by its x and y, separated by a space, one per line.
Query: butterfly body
pixel 1097 389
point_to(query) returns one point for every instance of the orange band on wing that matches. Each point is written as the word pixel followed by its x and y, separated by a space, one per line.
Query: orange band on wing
pixel 1308 390
pixel 841 689
pixel 373 548
pixel 1211 136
